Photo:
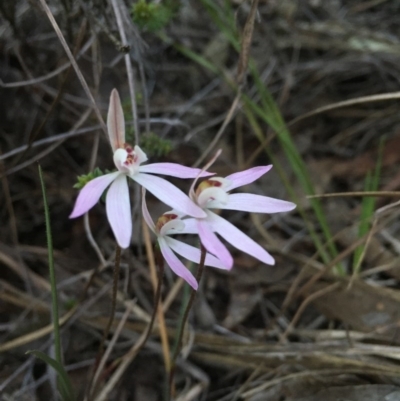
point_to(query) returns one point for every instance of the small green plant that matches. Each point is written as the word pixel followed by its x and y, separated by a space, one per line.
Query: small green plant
pixel 153 145
pixel 151 16
pixel 85 178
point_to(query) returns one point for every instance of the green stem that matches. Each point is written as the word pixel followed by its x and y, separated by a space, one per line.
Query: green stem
pixel 54 299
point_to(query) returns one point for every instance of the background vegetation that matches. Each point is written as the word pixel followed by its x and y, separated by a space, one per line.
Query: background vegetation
pixel 310 86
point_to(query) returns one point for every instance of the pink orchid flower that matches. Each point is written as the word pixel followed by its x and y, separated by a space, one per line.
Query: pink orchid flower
pixel 128 161
pixel 214 194
pixel 169 223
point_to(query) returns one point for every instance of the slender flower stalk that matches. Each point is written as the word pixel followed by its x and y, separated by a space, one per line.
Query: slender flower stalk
pixel 128 160
pixel 168 224
pixel 214 193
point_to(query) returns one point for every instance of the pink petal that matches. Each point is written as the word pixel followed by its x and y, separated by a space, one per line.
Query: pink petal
pixel 116 122
pixel 118 208
pixel 174 170
pixel 193 254
pixel 213 244
pixel 256 204
pixel 238 239
pixel 91 192
pixel 246 177
pixel 169 194
pixel 176 265
pixel 145 211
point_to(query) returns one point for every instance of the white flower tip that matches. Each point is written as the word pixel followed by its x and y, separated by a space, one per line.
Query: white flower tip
pixel 124 245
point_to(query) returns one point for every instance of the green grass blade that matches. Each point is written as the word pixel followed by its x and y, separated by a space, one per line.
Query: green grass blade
pixel 54 299
pixel 63 380
pixel 367 208
pixel 65 386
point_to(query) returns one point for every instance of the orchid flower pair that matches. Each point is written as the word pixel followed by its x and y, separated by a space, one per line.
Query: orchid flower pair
pixel 213 193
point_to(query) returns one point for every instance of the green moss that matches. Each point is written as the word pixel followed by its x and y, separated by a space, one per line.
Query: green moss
pixel 151 16
pixel 153 145
pixel 85 178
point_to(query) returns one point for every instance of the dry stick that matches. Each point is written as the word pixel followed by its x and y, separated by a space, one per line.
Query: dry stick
pixel 217 137
pixel 346 252
pixel 100 355
pixel 114 297
pixel 246 43
pixel 129 69
pixel 145 96
pixel 356 193
pixel 45 152
pixel 65 135
pixel 184 320
pixel 159 307
pixel 298 292
pixel 305 303
pixel 73 62
pixel 93 243
pixel 50 75
pixel 13 228
pixel 127 359
pixel 108 351
pixel 351 102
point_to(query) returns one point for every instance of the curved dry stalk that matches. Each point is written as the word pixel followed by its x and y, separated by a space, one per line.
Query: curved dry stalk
pixel 129 68
pixel 74 63
pixel 356 193
pixel 346 103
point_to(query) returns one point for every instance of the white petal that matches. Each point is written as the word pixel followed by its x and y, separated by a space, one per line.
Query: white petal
pixel 116 122
pixel 169 194
pixel 190 226
pixel 238 239
pixel 193 254
pixel 91 192
pixel 176 265
pixel 118 208
pixel 257 204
